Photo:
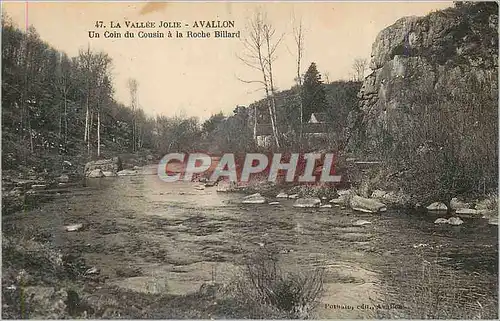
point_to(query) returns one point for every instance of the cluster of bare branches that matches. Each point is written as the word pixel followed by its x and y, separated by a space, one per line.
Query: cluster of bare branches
pixel 260 53
pixel 359 66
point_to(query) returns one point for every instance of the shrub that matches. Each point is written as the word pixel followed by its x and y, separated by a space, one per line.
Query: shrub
pixel 263 284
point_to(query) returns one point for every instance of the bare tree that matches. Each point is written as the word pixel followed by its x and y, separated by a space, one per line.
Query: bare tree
pixel 260 47
pixel 327 77
pixel 132 86
pixel 95 68
pixel 359 66
pixel 299 42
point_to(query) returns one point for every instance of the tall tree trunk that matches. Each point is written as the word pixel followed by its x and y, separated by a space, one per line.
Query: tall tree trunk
pixel 30 131
pixel 88 132
pixel 255 124
pixel 86 135
pixel 98 133
pixel 65 120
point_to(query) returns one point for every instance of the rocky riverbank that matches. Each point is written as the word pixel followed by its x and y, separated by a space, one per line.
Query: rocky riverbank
pixel 363 196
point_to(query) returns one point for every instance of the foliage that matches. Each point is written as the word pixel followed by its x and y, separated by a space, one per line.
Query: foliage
pixel 313 93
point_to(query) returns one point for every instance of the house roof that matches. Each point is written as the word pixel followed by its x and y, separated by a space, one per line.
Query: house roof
pixel 308 128
pixel 320 117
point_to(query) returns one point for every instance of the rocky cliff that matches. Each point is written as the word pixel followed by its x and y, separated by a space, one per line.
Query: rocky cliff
pixel 419 61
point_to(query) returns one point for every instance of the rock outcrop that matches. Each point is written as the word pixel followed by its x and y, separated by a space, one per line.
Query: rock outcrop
pixel 417 58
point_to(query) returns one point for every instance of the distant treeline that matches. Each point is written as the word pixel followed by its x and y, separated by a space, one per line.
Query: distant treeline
pixel 53 104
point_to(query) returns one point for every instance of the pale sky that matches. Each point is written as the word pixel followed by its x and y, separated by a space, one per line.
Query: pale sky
pixel 199 77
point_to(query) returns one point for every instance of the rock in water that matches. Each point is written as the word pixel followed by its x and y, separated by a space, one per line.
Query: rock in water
pixel 282 195
pixel 467 212
pixel 441 221
pixel 361 222
pixel 254 199
pixel 437 206
pixel 274 203
pixel 307 202
pixel 95 173
pixel 455 221
pixel 367 205
pixel 73 227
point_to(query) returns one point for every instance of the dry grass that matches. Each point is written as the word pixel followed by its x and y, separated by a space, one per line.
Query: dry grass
pixel 438 293
pixel 264 285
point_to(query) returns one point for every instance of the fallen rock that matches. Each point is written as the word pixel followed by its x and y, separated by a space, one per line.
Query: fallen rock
pixel 254 199
pixel 282 195
pixel 293 196
pixel 456 204
pixel 361 223
pixel 95 173
pixel 367 205
pixel 274 203
pixel 307 202
pixel 326 206
pixel 437 206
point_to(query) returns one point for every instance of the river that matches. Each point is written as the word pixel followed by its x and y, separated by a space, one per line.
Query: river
pixel 181 237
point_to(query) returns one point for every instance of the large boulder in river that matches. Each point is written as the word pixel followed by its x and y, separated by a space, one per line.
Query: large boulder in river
pixel 106 165
pixel 367 205
pixel 307 202
pixel 455 221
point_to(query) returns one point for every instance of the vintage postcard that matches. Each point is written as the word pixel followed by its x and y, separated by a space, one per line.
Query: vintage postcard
pixel 249 160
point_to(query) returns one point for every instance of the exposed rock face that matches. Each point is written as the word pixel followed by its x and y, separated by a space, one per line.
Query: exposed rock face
pixel 443 53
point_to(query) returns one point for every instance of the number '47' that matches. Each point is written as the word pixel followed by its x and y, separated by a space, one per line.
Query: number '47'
pixel 99 24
